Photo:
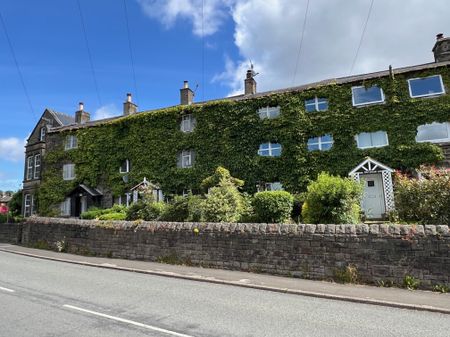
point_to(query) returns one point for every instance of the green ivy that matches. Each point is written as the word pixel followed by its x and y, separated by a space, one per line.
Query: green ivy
pixel 228 134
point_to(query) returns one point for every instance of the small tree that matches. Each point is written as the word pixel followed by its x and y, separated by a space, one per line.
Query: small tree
pixel 332 199
pixel 15 205
pixel 273 206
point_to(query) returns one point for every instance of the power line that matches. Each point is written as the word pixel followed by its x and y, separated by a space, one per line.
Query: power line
pixel 17 65
pixel 362 37
pixel 89 52
pixel 301 42
pixel 131 50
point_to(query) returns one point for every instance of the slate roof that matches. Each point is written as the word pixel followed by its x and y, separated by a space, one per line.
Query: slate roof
pixel 5 198
pixel 340 80
pixel 62 118
pixel 92 191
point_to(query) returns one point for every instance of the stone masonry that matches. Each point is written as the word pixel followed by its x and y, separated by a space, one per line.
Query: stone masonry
pixel 379 252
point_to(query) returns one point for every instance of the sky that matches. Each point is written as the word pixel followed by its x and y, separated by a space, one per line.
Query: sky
pixel 95 51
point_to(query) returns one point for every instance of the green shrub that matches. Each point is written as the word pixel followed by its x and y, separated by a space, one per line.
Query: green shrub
pixel 3 218
pixel 177 209
pixel 99 213
pixel 113 216
pixel 15 205
pixel 425 200
pixel 134 212
pixel 273 206
pixel 332 199
pixel 223 203
pixel 410 282
pixel 153 211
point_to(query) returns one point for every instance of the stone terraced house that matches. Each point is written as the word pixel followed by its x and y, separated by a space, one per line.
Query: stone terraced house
pixel 365 126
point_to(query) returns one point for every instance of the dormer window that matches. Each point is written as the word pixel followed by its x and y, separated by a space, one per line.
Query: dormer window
pixel 187 123
pixel 269 112
pixel 42 133
pixel 426 86
pixel 125 167
pixel 316 104
pixel 71 142
pixel 365 96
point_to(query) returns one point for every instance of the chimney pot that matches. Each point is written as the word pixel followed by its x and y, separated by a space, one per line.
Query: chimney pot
pixel 129 107
pixel 441 49
pixel 128 97
pixel 186 84
pixel 81 116
pixel 439 36
pixel 80 106
pixel 249 83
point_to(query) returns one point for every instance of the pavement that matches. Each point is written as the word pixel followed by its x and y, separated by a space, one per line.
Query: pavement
pixel 389 297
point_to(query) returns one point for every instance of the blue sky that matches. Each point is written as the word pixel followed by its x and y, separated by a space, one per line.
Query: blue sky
pixel 166 42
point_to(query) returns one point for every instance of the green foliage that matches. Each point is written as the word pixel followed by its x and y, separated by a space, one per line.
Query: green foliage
pixel 3 218
pixel 348 274
pixel 273 206
pixel 223 203
pixel 425 200
pixel 228 133
pixel 221 174
pixel 332 199
pixel 113 216
pixel 105 214
pixel 15 205
pixel 441 288
pixel 410 282
pixel 184 208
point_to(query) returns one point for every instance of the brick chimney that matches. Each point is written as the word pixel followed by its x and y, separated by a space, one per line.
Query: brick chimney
pixel 250 83
pixel 186 94
pixel 441 49
pixel 81 116
pixel 129 107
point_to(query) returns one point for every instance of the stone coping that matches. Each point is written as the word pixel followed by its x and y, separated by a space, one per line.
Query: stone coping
pixel 408 231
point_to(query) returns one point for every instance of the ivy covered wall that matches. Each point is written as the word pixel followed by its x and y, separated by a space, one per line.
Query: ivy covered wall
pixel 228 133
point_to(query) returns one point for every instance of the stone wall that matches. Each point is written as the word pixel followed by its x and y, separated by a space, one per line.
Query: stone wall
pixel 380 253
pixel 10 233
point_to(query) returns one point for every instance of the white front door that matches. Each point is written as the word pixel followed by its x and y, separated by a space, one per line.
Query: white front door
pixel 373 198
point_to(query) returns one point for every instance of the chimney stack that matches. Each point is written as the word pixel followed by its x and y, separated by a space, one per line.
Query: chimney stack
pixel 186 94
pixel 81 116
pixel 441 49
pixel 250 83
pixel 129 107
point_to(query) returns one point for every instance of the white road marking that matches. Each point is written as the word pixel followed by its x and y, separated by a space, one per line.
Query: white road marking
pixel 8 290
pixel 127 321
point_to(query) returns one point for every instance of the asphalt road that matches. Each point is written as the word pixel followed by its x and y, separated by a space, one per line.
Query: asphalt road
pixel 48 298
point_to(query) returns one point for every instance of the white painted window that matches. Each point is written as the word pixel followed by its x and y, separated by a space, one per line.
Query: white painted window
pixel 187 123
pixel 33 205
pixel 27 205
pixel 316 104
pixel 364 96
pixel 30 163
pixel 269 149
pixel 37 166
pixel 125 167
pixel 186 158
pixel 269 112
pixel 69 171
pixel 42 133
pixel 366 140
pixel 434 132
pixel 274 186
pixel 65 207
pixel 71 142
pixel 321 143
pixel 426 86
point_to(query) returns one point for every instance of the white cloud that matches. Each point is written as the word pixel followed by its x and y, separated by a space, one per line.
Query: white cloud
pixel 106 111
pixel 168 11
pixel 12 149
pixel 268 33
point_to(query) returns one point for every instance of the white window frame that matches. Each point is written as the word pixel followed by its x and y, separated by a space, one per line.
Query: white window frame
pixel 265 112
pixel 367 103
pixel 27 205
pixel 372 146
pixel 69 171
pixel 71 142
pixel 270 186
pixel 271 148
pixel 66 207
pixel 30 166
pixel 42 133
pixel 442 140
pixel 37 166
pixel 315 104
pixel 426 95
pixel 33 205
pixel 127 164
pixel 187 123
pixel 188 155
pixel 320 143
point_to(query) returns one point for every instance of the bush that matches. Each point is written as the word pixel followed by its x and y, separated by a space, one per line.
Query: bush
pixel 332 199
pixel 15 205
pixel 99 213
pixel 223 203
pixel 273 206
pixel 134 212
pixel 3 218
pixel 425 200
pixel 112 216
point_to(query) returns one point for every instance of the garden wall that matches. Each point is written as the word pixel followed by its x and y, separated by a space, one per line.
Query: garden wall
pixel 380 252
pixel 10 233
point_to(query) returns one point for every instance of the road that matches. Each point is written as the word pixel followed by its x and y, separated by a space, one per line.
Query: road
pixel 49 298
